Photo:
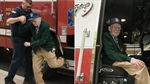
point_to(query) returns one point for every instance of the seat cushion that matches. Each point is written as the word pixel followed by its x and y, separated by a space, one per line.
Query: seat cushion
pixel 112 71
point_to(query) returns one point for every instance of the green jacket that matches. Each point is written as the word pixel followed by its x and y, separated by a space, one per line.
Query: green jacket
pixel 111 52
pixel 42 39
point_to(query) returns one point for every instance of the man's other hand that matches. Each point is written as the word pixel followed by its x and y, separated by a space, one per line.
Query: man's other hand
pixel 26 44
pixel 137 63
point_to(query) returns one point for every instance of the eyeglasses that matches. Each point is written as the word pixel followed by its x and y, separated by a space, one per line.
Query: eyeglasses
pixel 119 28
pixel 27 5
pixel 33 21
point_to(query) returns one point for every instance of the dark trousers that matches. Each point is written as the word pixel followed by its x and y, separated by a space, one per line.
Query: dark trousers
pixel 21 55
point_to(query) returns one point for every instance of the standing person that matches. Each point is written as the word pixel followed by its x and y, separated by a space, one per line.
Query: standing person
pixel 42 45
pixel 21 54
pixel 115 55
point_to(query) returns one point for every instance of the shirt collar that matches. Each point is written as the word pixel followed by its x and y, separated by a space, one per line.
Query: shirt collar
pixel 39 24
pixel 112 35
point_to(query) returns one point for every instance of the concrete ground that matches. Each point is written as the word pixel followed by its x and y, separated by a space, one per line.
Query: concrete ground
pixel 18 79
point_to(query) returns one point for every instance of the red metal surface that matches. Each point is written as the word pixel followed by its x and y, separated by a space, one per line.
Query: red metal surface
pixel 2 41
pixel 44 8
pixel 63 7
pixel 8 42
pixel 86 65
pixel 6 8
pixel 81 83
pixel 5 41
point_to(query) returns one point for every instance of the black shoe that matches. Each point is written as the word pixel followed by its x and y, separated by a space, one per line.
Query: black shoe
pixel 28 82
pixel 10 82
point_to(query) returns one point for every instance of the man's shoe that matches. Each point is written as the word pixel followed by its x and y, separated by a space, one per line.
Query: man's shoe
pixel 10 82
pixel 28 82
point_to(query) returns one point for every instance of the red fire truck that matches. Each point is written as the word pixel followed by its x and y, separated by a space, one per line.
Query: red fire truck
pixel 59 14
pixel 91 17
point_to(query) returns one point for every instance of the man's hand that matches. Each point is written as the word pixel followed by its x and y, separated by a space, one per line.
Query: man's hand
pixel 22 19
pixel 26 44
pixel 137 63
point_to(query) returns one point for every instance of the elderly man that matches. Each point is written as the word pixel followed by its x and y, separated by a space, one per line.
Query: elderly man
pixel 42 46
pixel 115 55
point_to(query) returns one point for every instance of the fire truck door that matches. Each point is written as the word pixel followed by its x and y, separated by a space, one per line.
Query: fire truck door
pixel 86 27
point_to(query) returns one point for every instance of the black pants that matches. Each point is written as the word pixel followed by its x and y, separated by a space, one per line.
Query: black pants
pixel 21 55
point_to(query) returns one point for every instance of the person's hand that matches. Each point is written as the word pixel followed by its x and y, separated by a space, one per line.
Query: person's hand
pixel 26 44
pixel 22 19
pixel 137 63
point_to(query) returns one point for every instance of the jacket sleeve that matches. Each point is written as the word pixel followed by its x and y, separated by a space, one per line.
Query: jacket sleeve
pixel 24 27
pixel 111 51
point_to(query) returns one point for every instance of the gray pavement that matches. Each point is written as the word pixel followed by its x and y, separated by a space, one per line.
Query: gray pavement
pixel 18 79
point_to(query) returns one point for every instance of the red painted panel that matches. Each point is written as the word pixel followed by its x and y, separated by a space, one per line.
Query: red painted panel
pixel 9 42
pixel 86 64
pixel 7 8
pixel 44 8
pixel 65 7
pixel 2 41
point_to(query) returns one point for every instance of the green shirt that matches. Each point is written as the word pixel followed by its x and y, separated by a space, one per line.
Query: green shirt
pixel 41 39
pixel 111 52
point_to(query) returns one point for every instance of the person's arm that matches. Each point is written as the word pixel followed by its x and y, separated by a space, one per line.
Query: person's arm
pixel 15 17
pixel 24 27
pixel 44 36
pixel 115 55
pixel 21 19
pixel 111 50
